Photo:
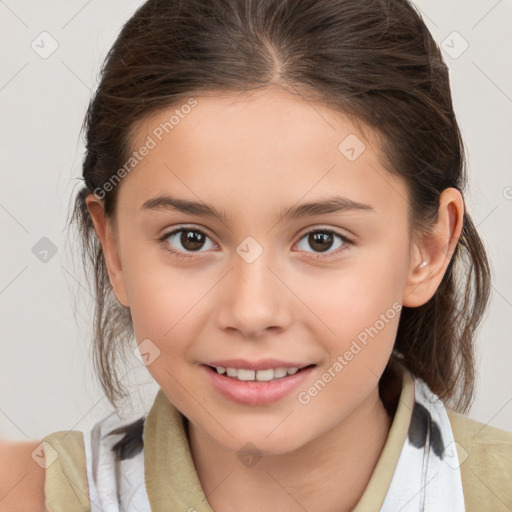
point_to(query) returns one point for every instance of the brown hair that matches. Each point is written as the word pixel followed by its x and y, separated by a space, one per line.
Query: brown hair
pixel 371 59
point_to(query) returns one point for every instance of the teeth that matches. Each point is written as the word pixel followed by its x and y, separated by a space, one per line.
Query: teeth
pixel 259 375
pixel 245 374
pixel 232 372
pixel 265 374
pixel 280 372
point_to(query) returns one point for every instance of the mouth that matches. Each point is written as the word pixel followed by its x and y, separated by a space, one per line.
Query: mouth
pixel 258 375
pixel 257 383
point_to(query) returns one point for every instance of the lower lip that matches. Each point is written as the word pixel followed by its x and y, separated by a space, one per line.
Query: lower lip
pixel 256 392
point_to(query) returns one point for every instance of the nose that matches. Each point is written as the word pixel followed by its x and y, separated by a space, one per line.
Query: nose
pixel 254 299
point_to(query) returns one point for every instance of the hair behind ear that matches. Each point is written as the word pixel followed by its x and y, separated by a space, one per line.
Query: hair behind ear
pixel 435 341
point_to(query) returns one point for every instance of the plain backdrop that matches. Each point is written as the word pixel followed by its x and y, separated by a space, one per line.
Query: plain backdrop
pixel 47 381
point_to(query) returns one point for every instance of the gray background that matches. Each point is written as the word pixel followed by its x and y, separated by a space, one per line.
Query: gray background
pixel 47 381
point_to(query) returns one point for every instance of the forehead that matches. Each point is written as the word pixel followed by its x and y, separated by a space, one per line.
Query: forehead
pixel 259 147
pixel 273 120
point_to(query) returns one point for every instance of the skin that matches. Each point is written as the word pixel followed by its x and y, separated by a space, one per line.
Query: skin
pixel 252 155
pixel 21 478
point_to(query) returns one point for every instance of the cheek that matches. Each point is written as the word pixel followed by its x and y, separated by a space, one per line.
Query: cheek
pixel 162 309
pixel 346 301
pixel 355 312
pixel 357 331
pixel 162 301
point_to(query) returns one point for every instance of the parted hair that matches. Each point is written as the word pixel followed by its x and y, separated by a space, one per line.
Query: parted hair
pixel 373 60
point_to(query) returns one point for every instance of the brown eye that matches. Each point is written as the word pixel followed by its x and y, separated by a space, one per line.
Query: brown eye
pixel 323 240
pixel 181 241
pixel 191 240
pixel 320 241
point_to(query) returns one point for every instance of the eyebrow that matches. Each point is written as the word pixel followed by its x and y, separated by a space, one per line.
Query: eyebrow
pixel 322 207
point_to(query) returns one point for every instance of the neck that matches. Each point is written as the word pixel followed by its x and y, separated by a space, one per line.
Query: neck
pixel 328 474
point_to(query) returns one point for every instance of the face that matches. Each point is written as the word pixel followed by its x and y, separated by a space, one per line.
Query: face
pixel 255 289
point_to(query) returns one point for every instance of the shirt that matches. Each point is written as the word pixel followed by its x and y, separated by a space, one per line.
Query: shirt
pixel 146 465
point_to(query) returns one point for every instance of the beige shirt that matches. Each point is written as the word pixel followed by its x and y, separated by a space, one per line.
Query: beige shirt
pixel 485 458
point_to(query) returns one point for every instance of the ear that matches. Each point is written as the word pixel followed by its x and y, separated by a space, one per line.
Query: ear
pixel 432 254
pixel 106 233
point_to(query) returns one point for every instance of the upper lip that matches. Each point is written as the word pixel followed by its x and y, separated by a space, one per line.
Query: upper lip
pixel 262 364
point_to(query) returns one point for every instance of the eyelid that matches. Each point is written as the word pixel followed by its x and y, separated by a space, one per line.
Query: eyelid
pixel 184 227
pixel 311 228
pixel 319 227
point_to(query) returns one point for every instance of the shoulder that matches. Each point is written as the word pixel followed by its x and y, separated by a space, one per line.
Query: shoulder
pixel 21 476
pixel 53 474
pixel 485 460
pixel 66 471
pixel 71 455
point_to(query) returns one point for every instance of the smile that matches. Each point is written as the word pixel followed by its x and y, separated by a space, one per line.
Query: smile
pixel 257 387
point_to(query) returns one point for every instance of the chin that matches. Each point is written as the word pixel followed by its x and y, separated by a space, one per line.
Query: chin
pixel 263 444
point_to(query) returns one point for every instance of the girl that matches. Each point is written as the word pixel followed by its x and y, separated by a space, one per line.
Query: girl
pixel 273 210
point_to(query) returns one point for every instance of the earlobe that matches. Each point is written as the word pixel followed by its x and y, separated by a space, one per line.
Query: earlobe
pixel 432 254
pixel 109 246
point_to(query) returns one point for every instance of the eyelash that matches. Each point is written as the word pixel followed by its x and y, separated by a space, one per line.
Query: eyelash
pixel 319 256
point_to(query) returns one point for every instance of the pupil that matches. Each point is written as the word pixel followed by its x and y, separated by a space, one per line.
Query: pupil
pixel 320 239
